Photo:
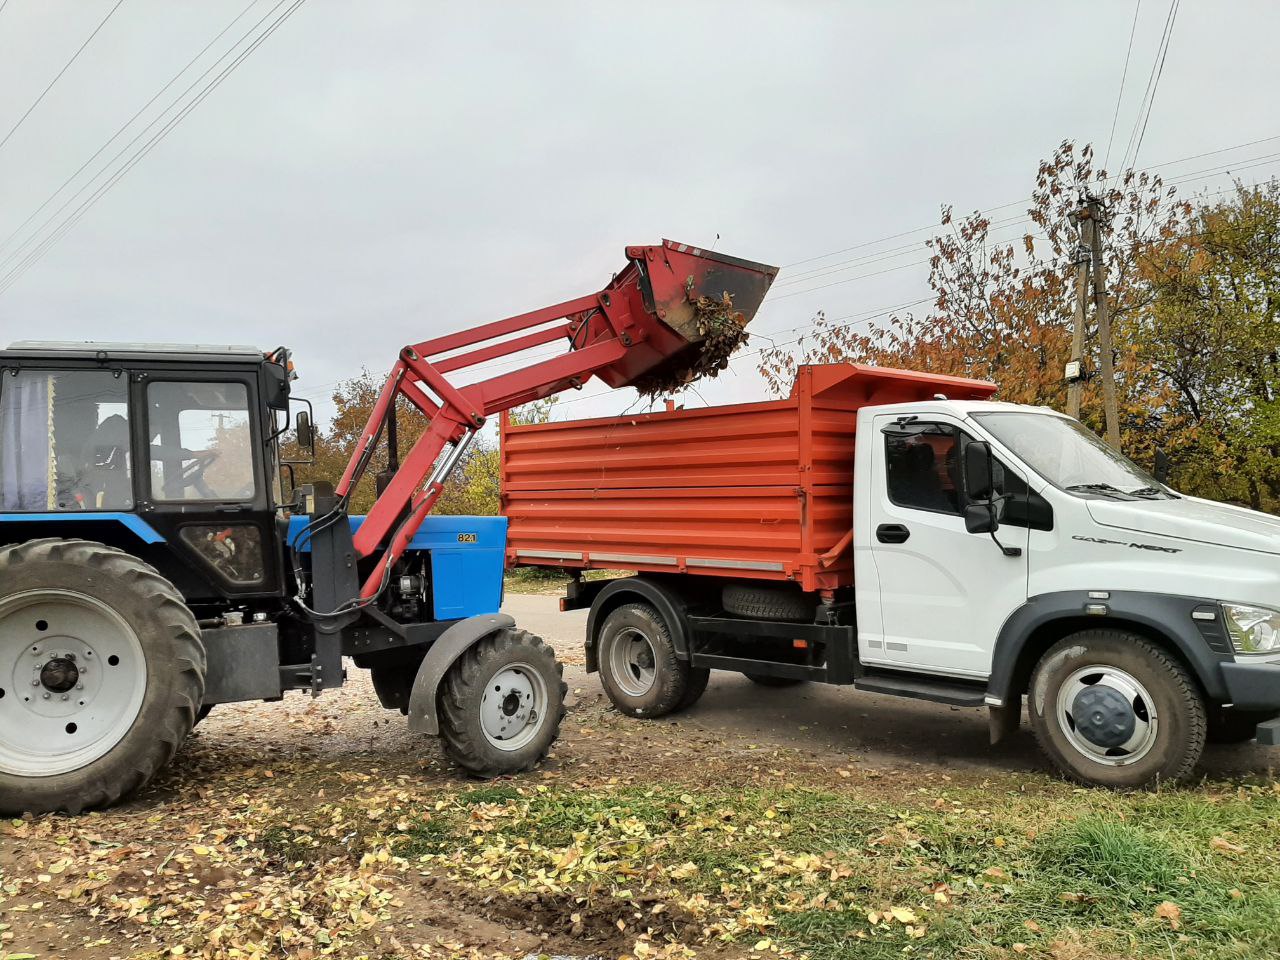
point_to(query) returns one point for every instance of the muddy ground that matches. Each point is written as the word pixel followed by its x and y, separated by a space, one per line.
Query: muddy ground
pixel 259 824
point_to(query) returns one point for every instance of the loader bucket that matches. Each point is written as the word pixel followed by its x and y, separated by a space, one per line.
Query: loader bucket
pixel 689 306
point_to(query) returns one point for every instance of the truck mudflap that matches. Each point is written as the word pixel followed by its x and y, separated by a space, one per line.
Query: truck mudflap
pixel 452 644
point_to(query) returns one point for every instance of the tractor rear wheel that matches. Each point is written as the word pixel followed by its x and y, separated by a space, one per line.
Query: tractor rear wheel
pixel 501 704
pixel 101 674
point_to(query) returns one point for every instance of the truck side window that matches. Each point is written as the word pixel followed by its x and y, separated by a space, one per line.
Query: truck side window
pixel 201 442
pixel 924 467
pixel 64 441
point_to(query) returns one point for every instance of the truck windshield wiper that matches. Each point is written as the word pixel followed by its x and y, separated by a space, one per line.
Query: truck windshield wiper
pixel 1151 492
pixel 1103 488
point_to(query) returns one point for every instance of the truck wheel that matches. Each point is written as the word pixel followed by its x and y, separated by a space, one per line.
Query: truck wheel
pixel 639 667
pixel 766 603
pixel 501 704
pixel 1113 709
pixel 1236 726
pixel 101 674
pixel 767 681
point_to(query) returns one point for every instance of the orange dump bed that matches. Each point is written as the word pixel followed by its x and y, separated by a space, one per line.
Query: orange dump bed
pixel 757 490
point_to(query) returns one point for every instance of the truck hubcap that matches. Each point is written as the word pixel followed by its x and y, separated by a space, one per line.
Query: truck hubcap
pixel 633 663
pixel 1107 715
pixel 72 680
pixel 513 706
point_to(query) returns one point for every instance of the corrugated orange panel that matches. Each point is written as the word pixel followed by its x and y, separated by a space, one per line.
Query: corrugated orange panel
pixel 758 490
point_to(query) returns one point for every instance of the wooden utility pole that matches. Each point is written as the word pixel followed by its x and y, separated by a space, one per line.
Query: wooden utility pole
pixel 1075 369
pixel 1102 312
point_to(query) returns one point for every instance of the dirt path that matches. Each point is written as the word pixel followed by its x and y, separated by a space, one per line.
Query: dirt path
pixel 261 826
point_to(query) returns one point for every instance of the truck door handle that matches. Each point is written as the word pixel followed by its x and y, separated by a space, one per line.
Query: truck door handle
pixel 892 533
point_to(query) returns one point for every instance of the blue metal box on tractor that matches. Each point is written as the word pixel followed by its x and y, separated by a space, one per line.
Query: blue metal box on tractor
pixel 153 564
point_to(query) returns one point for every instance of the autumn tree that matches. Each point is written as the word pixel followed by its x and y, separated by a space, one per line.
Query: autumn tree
pixel 1211 332
pixel 1002 311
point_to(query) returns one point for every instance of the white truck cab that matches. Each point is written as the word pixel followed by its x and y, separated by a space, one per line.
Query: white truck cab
pixel 1008 545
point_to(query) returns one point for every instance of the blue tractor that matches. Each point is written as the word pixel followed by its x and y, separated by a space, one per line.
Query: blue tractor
pixel 154 562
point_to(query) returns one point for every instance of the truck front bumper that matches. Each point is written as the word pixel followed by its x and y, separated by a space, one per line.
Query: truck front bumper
pixel 1252 684
pixel 1268 734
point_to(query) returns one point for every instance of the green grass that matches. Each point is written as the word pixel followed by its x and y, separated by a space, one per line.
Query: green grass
pixel 980 871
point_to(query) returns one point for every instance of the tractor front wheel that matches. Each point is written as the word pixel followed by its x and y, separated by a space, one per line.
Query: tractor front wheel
pixel 501 704
pixel 101 674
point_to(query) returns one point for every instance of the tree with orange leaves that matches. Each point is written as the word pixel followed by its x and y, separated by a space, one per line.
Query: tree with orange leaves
pixel 1002 311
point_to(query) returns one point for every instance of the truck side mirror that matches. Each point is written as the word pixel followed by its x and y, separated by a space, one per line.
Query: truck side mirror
pixel 1162 467
pixel 980 517
pixel 305 434
pixel 977 470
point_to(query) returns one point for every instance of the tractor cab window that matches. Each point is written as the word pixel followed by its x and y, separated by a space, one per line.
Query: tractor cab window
pixel 64 441
pixel 201 441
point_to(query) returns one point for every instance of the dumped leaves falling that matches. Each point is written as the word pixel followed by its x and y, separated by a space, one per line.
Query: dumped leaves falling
pixel 720 328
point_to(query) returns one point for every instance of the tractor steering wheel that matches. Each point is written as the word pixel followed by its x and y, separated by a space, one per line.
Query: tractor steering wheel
pixel 193 472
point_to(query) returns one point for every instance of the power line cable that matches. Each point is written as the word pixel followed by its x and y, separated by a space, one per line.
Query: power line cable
pixel 107 167
pixel 59 232
pixel 1130 156
pixel 65 67
pixel 1173 18
pixel 1123 75
pixel 125 126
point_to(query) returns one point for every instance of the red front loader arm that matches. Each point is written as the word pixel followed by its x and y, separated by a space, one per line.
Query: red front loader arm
pixel 642 322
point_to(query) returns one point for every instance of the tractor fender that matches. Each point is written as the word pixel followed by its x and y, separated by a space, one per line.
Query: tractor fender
pixel 442 654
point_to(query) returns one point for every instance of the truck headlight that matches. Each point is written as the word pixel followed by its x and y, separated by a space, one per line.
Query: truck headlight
pixel 1253 629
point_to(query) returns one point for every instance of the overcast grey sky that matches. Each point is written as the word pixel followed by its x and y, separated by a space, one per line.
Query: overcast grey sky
pixel 382 172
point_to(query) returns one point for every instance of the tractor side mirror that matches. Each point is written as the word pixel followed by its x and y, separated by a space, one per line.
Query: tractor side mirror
pixel 304 432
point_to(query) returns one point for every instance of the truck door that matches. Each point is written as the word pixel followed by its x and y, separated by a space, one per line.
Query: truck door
pixel 943 592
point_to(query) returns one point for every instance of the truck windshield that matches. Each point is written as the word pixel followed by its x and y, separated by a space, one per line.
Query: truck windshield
pixel 1070 456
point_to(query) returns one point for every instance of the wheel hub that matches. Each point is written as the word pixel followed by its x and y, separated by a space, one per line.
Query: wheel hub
pixel 60 674
pixel 1107 715
pixel 632 662
pixel 513 706
pixel 72 680
pixel 1103 716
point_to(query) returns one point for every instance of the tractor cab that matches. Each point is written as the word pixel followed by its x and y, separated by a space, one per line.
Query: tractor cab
pixel 169 452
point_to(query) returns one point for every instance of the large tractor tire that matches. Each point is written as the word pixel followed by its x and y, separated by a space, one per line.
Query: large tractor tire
pixel 640 670
pixel 501 704
pixel 101 675
pixel 1112 709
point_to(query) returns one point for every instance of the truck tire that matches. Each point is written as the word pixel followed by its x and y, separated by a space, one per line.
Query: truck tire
pixel 767 681
pixel 695 686
pixel 1236 726
pixel 639 668
pixel 501 704
pixel 766 603
pixel 1113 709
pixel 101 674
